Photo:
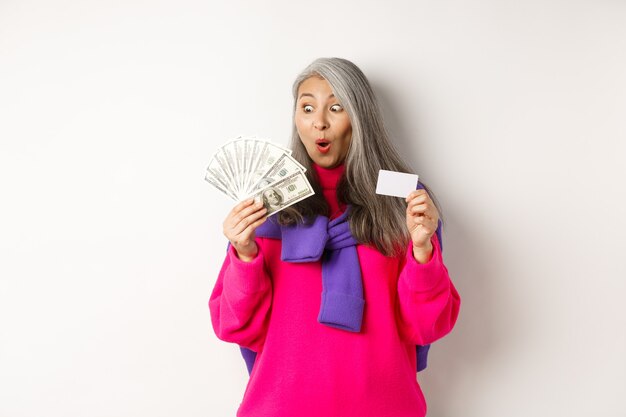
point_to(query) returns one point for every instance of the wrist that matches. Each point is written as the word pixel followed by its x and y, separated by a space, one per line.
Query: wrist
pixel 247 255
pixel 423 254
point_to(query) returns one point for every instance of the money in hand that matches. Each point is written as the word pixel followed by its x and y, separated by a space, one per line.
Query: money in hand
pixel 284 192
pixel 247 167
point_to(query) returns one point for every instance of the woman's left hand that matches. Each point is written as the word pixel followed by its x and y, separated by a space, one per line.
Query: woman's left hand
pixel 422 219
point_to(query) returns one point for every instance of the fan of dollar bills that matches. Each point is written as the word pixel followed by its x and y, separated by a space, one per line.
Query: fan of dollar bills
pixel 251 167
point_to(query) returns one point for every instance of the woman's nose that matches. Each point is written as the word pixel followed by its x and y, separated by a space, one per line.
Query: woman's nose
pixel 320 122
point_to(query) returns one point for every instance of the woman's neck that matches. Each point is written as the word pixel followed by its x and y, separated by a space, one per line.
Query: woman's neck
pixel 328 179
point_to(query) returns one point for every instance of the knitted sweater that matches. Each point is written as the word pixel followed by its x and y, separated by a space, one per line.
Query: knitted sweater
pixel 304 368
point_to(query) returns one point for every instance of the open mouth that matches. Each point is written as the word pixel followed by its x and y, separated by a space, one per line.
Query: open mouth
pixel 323 145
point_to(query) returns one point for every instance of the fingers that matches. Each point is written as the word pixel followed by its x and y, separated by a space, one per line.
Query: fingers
pixel 421 215
pixel 241 211
pixel 414 194
pixel 420 204
pixel 241 216
pixel 417 209
pixel 416 198
pixel 245 203
pixel 425 223
pixel 246 237
pixel 245 221
pixel 248 232
pixel 424 209
pixel 228 223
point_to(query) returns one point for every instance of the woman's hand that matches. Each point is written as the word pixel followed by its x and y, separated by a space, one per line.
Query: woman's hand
pixel 239 227
pixel 422 219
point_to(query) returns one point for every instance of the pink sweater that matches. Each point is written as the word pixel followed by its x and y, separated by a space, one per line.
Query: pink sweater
pixel 304 368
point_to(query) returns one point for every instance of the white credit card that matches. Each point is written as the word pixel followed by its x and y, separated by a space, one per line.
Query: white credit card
pixel 397 184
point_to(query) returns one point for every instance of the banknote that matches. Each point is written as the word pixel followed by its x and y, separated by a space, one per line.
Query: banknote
pixel 220 171
pixel 282 167
pixel 268 154
pixel 245 165
pixel 210 178
pixel 229 161
pixel 284 192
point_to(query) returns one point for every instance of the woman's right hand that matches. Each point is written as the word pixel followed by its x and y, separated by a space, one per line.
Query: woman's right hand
pixel 240 224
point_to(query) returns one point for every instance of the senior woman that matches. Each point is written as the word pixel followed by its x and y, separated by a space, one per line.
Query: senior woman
pixel 329 298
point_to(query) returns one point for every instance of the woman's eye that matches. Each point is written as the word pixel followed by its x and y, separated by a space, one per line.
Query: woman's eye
pixel 336 106
pixel 307 108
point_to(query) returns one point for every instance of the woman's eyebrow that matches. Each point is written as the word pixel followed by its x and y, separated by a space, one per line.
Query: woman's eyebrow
pixel 311 95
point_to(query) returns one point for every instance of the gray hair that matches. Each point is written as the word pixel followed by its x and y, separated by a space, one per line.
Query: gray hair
pixel 374 219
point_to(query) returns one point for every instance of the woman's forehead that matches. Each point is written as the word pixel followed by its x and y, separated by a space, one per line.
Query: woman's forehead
pixel 309 86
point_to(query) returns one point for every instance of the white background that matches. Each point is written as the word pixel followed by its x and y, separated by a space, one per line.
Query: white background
pixel 512 112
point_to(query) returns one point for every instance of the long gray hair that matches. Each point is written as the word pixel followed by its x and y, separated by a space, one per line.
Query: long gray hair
pixel 374 219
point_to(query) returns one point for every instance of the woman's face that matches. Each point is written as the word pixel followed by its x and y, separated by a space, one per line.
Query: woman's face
pixel 322 123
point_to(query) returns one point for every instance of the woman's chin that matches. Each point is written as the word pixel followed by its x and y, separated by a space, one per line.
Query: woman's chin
pixel 326 161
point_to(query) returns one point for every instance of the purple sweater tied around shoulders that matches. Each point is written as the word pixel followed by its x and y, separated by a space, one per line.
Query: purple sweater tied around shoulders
pixel 342 287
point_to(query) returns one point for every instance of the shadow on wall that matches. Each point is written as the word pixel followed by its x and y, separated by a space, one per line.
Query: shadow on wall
pixel 474 341
pixel 478 336
pixel 405 140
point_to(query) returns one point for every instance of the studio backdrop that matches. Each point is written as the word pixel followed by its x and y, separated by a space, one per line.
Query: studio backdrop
pixel 111 241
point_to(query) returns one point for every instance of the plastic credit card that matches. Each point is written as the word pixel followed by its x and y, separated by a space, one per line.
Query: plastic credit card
pixel 397 184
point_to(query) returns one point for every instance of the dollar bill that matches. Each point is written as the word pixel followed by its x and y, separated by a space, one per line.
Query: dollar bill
pixel 245 165
pixel 283 193
pixel 260 150
pixel 267 157
pixel 249 158
pixel 229 160
pixel 210 178
pixel 239 168
pixel 220 170
pixel 281 168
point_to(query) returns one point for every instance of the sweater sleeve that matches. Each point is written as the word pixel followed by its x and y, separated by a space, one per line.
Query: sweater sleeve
pixel 241 300
pixel 428 302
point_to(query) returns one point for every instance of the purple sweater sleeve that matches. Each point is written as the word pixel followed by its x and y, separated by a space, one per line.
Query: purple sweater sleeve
pixel 428 302
pixel 241 300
